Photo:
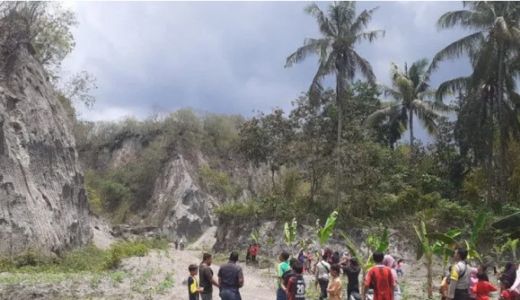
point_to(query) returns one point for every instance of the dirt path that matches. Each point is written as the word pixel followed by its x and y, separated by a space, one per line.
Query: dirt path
pixel 257 285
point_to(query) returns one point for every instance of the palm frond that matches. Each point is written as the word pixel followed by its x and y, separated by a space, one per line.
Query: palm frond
pixel 388 91
pixel 311 46
pixel 364 66
pixel 426 114
pixel 452 86
pixel 457 48
pixel 362 21
pixel 479 20
pixel 342 14
pixel 370 35
pixel 326 27
pixel 391 111
pixel 325 68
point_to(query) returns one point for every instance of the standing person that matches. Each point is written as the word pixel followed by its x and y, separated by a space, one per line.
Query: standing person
pixel 445 285
pixel 254 252
pixel 308 261
pixel 335 287
pixel 206 277
pixel 515 287
pixel 389 261
pixel 182 243
pixel 282 269
pixel 296 284
pixel 193 285
pixel 399 268
pixel 248 254
pixel 473 280
pixel 508 275
pixel 460 276
pixel 322 275
pixel 380 279
pixel 352 272
pixel 176 244
pixel 482 289
pixel 287 275
pixel 230 279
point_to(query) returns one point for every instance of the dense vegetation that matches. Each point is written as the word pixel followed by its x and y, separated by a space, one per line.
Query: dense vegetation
pixel 340 149
pixel 336 149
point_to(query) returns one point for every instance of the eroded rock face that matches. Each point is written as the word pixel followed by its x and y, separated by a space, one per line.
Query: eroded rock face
pixel 43 205
pixel 178 206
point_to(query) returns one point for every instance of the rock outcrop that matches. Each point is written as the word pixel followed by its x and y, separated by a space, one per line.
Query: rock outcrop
pixel 178 205
pixel 43 205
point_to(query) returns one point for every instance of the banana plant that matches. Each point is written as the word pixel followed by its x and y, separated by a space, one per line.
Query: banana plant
pixel 290 233
pixel 426 249
pixel 375 242
pixel 444 243
pixel 255 235
pixel 477 228
pixel 325 233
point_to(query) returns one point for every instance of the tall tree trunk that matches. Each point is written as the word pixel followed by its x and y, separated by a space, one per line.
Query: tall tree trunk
pixel 340 97
pixel 501 169
pixel 410 125
pixel 272 178
pixel 429 276
pixel 341 88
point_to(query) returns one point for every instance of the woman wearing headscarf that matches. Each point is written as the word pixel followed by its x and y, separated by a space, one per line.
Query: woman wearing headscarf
pixel 390 262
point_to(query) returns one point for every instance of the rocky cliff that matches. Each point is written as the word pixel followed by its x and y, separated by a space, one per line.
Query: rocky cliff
pixel 178 205
pixel 43 205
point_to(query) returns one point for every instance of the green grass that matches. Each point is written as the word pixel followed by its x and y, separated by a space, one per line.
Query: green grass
pixel 87 259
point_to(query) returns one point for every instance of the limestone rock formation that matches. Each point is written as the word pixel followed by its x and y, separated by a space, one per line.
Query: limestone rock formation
pixel 43 205
pixel 178 205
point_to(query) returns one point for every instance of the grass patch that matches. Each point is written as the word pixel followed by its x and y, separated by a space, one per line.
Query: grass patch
pixel 87 259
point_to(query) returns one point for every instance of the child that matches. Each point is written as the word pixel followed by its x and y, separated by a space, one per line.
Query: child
pixel 445 284
pixel 193 285
pixel 296 285
pixel 335 287
pixel 399 268
pixel 506 293
pixel 482 288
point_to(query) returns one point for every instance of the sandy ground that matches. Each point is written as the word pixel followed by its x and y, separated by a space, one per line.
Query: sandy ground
pixel 159 275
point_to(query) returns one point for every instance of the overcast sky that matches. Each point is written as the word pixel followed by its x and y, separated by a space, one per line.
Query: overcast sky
pixel 228 57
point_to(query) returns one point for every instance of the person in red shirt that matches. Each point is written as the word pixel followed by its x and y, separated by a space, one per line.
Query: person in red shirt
pixel 254 252
pixel 380 279
pixel 482 288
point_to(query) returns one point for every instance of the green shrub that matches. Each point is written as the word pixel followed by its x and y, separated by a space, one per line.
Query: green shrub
pixel 113 259
pixel 218 182
pixel 87 259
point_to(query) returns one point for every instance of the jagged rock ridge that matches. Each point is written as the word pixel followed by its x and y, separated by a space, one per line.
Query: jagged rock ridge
pixel 43 205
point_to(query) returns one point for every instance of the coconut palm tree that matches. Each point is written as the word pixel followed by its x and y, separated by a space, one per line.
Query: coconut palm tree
pixel 491 101
pixel 410 92
pixel 341 30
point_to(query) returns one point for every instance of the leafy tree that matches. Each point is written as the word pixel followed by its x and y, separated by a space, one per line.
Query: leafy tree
pixel 44 27
pixel 489 97
pixel 265 139
pixel 410 92
pixel 341 30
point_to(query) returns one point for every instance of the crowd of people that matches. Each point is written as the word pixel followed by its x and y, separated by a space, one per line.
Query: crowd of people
pixel 332 270
pixel 464 282
pixel 380 282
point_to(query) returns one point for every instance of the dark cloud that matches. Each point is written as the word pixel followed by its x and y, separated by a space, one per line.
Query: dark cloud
pixel 227 57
